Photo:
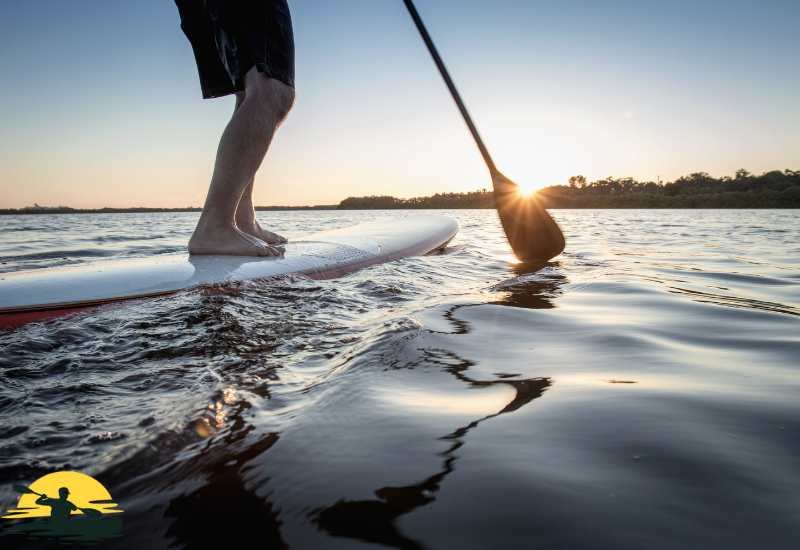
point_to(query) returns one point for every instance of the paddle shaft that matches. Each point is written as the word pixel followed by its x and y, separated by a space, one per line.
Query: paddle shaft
pixel 487 158
pixel 531 231
pixel 88 511
pixel 22 489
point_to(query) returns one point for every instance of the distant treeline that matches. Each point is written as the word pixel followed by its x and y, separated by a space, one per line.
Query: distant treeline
pixel 138 210
pixel 473 199
pixel 774 189
pixel 317 207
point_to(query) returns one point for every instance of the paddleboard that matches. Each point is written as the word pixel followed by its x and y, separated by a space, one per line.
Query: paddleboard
pixel 36 295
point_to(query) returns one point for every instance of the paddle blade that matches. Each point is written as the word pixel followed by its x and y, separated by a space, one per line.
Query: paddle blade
pixel 91 512
pixel 532 233
pixel 24 490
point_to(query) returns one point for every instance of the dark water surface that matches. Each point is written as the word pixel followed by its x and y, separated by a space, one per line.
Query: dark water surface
pixel 640 391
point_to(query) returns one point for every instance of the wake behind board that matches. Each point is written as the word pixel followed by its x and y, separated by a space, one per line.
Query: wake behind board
pixel 35 295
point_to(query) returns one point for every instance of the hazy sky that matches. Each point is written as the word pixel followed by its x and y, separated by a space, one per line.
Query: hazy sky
pixel 101 104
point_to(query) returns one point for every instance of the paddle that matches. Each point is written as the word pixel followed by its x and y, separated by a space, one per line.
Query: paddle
pixel 91 512
pixel 530 230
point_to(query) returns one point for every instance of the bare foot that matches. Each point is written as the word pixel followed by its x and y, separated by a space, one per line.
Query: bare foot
pixel 227 239
pixel 252 228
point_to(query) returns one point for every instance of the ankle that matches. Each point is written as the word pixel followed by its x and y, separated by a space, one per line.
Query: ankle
pixel 211 224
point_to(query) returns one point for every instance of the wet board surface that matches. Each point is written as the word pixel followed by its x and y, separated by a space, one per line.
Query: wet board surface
pixel 29 296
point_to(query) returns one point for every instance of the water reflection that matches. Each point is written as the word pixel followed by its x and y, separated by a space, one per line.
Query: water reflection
pixel 735 301
pixel 208 499
pixel 374 520
pixel 531 288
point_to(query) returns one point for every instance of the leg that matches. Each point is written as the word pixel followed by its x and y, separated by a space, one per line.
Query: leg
pixel 244 143
pixel 245 212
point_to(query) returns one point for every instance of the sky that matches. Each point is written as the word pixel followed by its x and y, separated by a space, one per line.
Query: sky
pixel 101 104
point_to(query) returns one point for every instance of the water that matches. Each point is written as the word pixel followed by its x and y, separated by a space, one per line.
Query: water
pixel 640 391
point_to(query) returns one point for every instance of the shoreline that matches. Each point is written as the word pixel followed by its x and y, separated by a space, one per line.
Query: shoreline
pixel 10 212
pixel 143 210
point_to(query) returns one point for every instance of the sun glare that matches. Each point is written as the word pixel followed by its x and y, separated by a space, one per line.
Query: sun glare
pixel 526 189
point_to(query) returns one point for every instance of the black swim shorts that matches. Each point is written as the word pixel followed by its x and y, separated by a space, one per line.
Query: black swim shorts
pixel 230 37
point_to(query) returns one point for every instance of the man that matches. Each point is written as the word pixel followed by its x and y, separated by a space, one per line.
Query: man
pixel 60 508
pixel 246 48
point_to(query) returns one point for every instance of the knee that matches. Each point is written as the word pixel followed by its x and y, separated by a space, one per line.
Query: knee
pixel 283 98
pixel 276 96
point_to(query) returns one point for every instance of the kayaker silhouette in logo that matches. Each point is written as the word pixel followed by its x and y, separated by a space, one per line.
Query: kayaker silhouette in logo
pixel 60 508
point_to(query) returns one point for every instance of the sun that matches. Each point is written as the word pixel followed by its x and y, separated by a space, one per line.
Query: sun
pixel 526 189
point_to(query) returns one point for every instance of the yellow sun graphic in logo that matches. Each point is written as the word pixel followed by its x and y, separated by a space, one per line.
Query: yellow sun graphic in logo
pixel 85 492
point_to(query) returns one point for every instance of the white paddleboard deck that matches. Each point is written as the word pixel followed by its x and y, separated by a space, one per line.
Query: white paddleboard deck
pixel 34 295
